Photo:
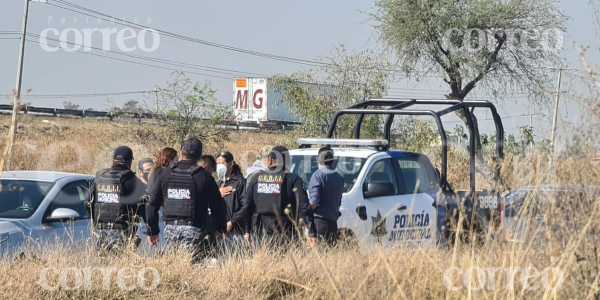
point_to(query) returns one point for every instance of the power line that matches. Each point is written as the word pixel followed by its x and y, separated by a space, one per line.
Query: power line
pixel 137 63
pixel 160 60
pixel 78 9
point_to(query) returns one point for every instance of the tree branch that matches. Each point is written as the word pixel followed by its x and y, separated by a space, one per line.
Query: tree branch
pixel 492 58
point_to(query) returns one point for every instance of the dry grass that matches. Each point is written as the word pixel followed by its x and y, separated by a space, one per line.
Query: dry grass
pixel 400 273
pixel 85 146
pixel 302 273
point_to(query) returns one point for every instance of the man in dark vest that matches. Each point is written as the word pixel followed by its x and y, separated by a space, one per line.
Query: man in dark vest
pixel 187 192
pixel 276 199
pixel 117 200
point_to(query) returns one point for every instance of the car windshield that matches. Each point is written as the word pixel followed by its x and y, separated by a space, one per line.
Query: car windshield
pixel 348 167
pixel 19 199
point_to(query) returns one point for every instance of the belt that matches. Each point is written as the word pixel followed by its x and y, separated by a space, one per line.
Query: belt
pixel 180 223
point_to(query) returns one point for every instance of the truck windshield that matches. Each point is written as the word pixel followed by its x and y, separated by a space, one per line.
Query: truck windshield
pixel 348 167
pixel 19 199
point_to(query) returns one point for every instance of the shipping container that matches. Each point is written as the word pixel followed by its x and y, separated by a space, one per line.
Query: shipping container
pixel 255 101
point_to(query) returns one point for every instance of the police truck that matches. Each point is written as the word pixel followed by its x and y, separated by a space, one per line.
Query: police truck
pixel 396 197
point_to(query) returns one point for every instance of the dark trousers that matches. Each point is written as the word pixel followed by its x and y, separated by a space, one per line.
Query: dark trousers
pixel 111 241
pixel 189 238
pixel 272 232
pixel 326 230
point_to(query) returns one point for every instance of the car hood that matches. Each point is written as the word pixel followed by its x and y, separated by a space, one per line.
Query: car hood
pixel 9 226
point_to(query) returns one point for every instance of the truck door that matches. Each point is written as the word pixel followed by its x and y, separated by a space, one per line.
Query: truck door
pixel 417 225
pixel 383 201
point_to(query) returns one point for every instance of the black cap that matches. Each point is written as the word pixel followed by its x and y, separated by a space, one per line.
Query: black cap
pixel 123 154
pixel 227 156
pixel 192 146
pixel 325 155
pixel 278 153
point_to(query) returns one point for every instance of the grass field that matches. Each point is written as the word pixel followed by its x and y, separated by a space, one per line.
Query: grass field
pixel 84 146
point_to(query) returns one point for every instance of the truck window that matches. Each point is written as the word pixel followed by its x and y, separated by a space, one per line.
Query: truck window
pixel 414 176
pixel 348 167
pixel 383 171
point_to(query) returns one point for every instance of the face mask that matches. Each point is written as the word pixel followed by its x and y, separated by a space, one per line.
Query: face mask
pixel 221 171
pixel 146 174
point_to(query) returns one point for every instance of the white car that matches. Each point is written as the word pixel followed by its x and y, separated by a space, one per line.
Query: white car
pixel 43 208
pixel 379 204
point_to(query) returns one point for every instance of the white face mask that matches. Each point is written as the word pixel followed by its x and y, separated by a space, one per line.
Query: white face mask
pixel 221 171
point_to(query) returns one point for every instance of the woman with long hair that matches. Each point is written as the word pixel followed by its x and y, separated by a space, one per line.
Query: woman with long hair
pixel 164 159
pixel 233 190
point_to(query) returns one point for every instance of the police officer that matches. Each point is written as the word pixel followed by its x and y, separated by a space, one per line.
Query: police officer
pixel 274 199
pixel 187 191
pixel 117 198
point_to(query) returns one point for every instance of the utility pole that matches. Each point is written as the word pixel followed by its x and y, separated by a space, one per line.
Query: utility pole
pixel 16 106
pixel 555 118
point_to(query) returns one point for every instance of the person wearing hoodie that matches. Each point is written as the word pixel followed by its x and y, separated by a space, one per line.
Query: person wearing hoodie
pixel 259 164
pixel 233 190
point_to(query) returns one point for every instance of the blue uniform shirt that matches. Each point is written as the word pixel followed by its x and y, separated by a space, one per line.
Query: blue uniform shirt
pixel 325 191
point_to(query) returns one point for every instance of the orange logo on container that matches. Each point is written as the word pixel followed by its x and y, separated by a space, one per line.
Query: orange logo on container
pixel 241 83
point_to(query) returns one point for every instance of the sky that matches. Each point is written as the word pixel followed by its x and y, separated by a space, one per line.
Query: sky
pixel 300 29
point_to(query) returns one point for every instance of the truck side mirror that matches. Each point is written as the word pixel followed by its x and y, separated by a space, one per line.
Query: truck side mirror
pixel 379 189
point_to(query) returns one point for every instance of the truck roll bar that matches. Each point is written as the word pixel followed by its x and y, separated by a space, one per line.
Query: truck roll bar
pixel 395 107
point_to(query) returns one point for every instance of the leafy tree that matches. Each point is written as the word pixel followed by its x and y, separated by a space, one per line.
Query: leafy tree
pixel 191 109
pixel 423 137
pixel 314 96
pixel 502 54
pixel 70 105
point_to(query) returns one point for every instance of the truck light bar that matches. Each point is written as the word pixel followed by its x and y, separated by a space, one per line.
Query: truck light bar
pixel 343 142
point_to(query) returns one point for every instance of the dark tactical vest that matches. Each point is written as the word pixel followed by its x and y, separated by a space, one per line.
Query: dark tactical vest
pixel 109 206
pixel 180 194
pixel 271 193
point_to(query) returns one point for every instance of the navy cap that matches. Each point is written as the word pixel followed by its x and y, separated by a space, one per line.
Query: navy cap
pixel 192 146
pixel 123 154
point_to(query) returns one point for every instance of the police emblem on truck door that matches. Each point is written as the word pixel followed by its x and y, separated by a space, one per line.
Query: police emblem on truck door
pixel 378 231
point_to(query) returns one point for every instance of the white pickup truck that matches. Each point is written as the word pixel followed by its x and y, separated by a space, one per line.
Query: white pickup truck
pixel 396 197
pixel 388 195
